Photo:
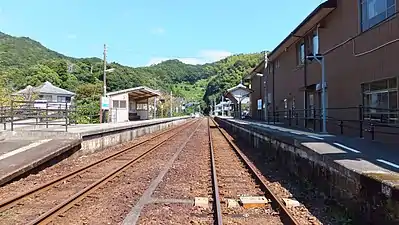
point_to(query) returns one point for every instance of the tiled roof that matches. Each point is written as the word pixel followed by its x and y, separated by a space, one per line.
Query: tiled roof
pixel 45 88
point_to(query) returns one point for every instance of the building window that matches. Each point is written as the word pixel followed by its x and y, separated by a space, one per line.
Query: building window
pixel 49 98
pixel 315 41
pixel 277 63
pixel 380 99
pixel 61 99
pixel 376 11
pixel 301 53
pixel 120 104
pixel 269 69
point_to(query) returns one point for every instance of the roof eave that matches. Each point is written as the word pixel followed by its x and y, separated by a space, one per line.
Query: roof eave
pixel 258 69
pixel 325 7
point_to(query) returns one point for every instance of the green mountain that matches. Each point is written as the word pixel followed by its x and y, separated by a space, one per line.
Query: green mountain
pixel 24 61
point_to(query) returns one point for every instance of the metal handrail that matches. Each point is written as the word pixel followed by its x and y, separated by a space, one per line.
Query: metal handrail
pixel 362 120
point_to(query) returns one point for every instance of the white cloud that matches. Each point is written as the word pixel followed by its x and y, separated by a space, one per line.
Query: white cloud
pixel 72 36
pixel 203 56
pixel 158 30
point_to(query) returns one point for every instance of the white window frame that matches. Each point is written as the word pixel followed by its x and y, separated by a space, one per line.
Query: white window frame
pixel 301 53
pixel 366 21
pixel 61 99
pixel 372 114
pixel 116 104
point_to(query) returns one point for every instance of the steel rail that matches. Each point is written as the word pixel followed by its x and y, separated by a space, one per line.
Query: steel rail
pixel 70 202
pixel 276 201
pixel 218 208
pixel 16 199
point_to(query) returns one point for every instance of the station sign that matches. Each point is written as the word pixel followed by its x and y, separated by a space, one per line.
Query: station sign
pixel 104 102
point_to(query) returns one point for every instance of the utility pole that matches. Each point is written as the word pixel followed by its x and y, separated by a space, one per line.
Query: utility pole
pixel 104 72
pixel 102 112
pixel 171 104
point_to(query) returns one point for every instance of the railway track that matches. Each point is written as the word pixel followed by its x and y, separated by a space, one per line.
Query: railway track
pixel 235 179
pixel 71 188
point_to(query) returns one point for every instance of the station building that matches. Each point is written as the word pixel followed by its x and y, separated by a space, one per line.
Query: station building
pixel 359 41
pixel 131 104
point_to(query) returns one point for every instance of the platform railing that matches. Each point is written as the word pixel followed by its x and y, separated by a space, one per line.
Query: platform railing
pixel 37 113
pixel 363 120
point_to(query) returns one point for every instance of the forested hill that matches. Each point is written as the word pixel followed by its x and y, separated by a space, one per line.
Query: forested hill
pixel 24 61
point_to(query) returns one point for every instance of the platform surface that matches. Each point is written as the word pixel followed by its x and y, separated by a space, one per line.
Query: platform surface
pixel 29 147
pixel 19 156
pixel 91 129
pixel 360 155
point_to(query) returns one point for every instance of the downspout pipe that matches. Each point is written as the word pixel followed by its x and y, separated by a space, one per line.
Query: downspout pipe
pixel 305 83
pixel 274 98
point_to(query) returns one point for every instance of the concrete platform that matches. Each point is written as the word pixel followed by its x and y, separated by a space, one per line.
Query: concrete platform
pixel 18 157
pixel 82 130
pixel 362 175
pixel 370 156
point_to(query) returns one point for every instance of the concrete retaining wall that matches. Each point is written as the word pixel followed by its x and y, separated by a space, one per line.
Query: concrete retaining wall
pixel 98 142
pixel 370 198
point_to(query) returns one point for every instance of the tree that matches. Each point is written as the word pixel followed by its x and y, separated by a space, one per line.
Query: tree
pixel 39 74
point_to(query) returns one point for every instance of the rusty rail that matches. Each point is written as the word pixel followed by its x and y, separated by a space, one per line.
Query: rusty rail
pixel 70 202
pixel 276 201
pixel 218 208
pixel 16 199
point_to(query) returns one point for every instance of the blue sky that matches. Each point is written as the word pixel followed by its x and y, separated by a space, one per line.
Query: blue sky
pixel 141 32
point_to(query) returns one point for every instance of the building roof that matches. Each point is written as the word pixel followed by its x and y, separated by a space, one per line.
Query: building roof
pixel 28 90
pixel 49 88
pixel 239 86
pixel 137 92
pixel 45 88
pixel 307 24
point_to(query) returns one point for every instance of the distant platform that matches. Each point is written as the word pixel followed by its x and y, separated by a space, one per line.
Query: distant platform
pixel 80 130
pixel 24 150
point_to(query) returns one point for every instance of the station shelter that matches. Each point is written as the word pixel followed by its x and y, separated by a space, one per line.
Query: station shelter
pixel 237 95
pixel 130 104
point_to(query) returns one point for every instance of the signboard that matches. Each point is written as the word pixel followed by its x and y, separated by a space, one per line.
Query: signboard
pixel 104 102
pixel 259 104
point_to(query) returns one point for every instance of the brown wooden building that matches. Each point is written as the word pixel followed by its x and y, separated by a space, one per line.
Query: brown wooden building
pixel 359 40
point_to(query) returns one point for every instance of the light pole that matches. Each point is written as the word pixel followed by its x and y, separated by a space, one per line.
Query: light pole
pixel 105 70
pixel 320 59
pixel 105 80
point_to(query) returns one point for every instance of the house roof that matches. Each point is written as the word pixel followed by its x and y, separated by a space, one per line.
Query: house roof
pixel 28 90
pixel 49 88
pixel 45 88
pixel 137 92
pixel 307 24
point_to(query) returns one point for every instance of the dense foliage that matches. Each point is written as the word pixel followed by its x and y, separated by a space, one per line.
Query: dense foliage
pixel 26 62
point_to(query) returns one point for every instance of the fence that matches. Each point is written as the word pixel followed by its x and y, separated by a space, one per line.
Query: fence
pixel 363 120
pixel 37 113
